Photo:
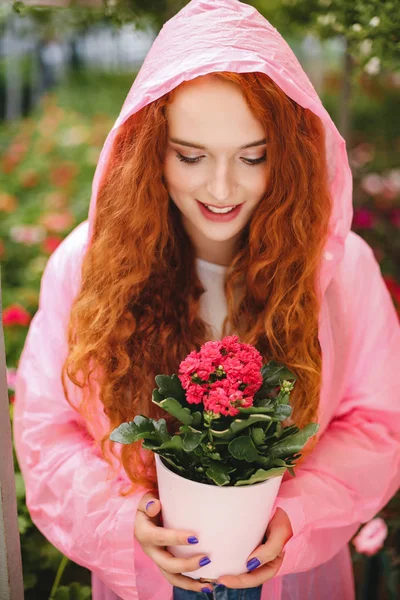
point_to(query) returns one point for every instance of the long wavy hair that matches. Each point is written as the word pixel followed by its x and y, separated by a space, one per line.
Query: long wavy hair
pixel 137 311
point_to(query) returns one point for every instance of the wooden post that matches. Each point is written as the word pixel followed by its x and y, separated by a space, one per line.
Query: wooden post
pixel 11 582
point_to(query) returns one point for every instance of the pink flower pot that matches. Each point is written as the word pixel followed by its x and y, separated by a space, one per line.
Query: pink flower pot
pixel 229 522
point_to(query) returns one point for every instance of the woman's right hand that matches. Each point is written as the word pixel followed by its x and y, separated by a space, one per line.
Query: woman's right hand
pixel 153 539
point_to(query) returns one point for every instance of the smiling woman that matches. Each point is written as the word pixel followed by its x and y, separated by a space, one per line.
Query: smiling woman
pixel 231 170
pixel 151 277
pixel 150 210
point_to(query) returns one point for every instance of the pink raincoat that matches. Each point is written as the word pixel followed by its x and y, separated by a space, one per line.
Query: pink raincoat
pixel 355 468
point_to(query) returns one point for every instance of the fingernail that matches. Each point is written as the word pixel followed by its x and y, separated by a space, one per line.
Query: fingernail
pixel 204 561
pixel 148 504
pixel 193 539
pixel 253 564
pixel 206 590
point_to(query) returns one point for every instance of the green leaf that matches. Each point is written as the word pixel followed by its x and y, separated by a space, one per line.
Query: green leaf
pixel 287 431
pixel 170 385
pixel 224 435
pixel 192 439
pixel 243 448
pixel 238 425
pixel 261 475
pixel 78 592
pixel 278 430
pixel 256 410
pixel 50 558
pixel 265 403
pixel 149 445
pixel 278 462
pixel 215 456
pixel 62 593
pixel 283 398
pixel 295 442
pixel 19 486
pixel 257 435
pixel 74 591
pixel 30 581
pixel 197 419
pixel 283 411
pixel 161 427
pixel 23 524
pixel 274 373
pixel 219 473
pixel 191 429
pixel 174 408
pixel 141 427
pixel 269 429
pixel 174 464
pixel 175 444
pixel 156 397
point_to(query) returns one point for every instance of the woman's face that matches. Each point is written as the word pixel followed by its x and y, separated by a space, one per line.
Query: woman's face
pixel 213 114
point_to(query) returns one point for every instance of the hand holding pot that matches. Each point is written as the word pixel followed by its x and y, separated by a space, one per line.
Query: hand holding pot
pixel 154 538
pixel 265 561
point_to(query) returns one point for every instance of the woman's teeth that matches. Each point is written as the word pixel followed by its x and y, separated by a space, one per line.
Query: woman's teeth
pixel 219 210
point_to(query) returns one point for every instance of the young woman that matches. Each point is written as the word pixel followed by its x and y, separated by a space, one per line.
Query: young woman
pixel 220 116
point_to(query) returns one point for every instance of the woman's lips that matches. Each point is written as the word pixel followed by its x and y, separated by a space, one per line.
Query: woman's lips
pixel 219 217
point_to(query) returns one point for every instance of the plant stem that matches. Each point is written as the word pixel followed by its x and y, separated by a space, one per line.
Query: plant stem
pixel 210 437
pixel 208 423
pixel 59 574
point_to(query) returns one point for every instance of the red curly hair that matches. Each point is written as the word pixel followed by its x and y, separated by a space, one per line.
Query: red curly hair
pixel 137 310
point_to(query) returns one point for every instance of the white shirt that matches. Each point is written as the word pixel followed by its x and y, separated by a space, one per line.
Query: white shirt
pixel 213 305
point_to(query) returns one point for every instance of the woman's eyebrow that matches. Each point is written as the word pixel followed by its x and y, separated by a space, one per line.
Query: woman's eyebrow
pixel 200 147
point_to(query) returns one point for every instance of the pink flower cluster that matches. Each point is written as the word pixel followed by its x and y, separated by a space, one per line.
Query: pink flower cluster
pixel 370 539
pixel 223 375
pixel 16 315
pixel 27 234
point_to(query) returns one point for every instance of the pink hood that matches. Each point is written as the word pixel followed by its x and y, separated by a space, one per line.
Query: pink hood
pixel 227 35
pixel 71 494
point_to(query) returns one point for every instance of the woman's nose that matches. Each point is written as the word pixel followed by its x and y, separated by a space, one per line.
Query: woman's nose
pixel 220 184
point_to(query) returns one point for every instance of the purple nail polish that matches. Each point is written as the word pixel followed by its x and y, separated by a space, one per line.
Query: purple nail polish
pixel 253 564
pixel 204 561
pixel 193 539
pixel 148 504
pixel 206 590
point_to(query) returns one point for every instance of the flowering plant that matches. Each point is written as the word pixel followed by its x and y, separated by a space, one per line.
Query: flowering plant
pixel 231 407
pixel 371 537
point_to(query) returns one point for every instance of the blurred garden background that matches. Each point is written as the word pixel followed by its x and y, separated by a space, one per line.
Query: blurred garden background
pixel 65 69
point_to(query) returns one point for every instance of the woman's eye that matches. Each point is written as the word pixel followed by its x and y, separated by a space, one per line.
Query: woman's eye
pixel 248 161
pixel 255 161
pixel 188 160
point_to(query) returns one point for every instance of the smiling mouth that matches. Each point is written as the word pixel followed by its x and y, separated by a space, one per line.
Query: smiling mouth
pixel 215 206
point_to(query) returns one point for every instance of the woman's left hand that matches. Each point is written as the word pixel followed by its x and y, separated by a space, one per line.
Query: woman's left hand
pixel 270 555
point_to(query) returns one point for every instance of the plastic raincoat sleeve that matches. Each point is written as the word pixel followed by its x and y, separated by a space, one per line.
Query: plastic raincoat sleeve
pixel 69 493
pixel 355 468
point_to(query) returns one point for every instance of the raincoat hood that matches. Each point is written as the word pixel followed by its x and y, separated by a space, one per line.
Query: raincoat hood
pixel 227 35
